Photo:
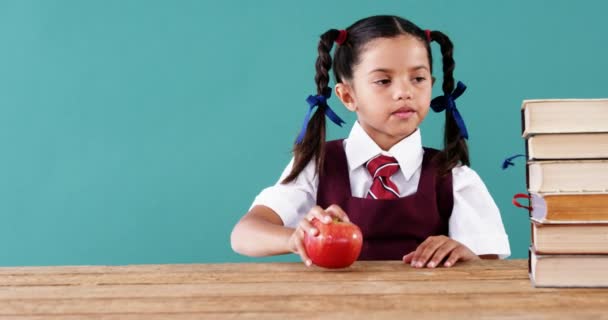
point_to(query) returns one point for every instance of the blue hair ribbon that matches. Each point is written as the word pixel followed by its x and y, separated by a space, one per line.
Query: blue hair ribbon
pixel 448 102
pixel 319 101
pixel 509 161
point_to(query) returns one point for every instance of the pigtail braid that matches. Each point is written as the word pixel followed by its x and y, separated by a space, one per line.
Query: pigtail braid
pixel 455 150
pixel 313 143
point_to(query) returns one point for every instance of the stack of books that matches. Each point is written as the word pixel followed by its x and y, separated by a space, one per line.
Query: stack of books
pixel 567 179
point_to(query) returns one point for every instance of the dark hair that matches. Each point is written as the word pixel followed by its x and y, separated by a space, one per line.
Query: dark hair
pixel 346 56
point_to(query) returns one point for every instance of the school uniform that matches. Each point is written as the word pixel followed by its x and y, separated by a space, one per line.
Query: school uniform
pixel 457 205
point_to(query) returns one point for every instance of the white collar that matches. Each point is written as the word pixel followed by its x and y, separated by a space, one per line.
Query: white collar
pixel 359 148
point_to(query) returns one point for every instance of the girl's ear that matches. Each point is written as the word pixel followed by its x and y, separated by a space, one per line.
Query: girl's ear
pixel 345 92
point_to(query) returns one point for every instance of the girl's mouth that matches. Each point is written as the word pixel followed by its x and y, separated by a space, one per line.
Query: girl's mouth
pixel 403 113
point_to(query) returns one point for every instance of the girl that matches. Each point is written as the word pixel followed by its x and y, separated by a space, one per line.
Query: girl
pixel 424 206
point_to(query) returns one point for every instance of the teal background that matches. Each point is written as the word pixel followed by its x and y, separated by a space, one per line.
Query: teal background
pixel 124 124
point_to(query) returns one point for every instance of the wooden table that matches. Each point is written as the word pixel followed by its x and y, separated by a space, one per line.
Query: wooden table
pixel 366 290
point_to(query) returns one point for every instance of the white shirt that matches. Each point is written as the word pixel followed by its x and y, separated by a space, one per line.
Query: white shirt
pixel 475 220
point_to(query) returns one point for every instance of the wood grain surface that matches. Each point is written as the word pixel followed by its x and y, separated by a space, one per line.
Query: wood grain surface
pixel 489 289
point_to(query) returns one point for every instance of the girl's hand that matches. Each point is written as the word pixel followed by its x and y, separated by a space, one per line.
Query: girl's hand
pixel 435 249
pixel 296 241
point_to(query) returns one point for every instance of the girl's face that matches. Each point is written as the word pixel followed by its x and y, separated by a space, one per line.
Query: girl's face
pixel 391 88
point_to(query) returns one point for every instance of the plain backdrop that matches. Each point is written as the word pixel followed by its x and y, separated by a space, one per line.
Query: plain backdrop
pixel 141 131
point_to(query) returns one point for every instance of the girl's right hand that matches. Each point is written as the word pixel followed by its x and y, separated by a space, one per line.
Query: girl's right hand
pixel 296 241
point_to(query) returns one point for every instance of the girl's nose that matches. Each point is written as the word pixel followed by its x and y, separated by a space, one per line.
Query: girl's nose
pixel 403 91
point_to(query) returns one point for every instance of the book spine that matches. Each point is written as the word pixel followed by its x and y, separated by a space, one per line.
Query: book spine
pixel 523 121
pixel 581 207
pixel 527 168
pixel 523 129
pixel 532 242
pixel 530 261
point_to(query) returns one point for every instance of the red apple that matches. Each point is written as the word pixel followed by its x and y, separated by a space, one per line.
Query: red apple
pixel 337 245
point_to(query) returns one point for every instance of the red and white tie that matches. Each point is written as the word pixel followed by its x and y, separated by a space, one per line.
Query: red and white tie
pixel 381 169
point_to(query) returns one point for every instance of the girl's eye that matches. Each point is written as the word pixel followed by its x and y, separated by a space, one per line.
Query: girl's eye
pixel 382 82
pixel 419 79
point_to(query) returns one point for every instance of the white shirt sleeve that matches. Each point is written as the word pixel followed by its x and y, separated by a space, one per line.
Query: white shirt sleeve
pixel 293 200
pixel 476 220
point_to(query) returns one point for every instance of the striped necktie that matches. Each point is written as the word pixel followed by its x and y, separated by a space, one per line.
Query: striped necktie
pixel 381 168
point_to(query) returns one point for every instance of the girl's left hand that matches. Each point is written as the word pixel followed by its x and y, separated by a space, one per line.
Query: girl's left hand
pixel 435 249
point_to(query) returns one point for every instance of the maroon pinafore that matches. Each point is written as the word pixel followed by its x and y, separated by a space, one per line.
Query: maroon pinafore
pixel 391 228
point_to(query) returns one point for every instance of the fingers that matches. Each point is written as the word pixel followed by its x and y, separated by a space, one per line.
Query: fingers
pixel 325 216
pixel 306 226
pixel 408 257
pixel 337 212
pixel 455 255
pixel 314 213
pixel 426 250
pixel 435 249
pixel 441 252
pixel 462 253
pixel 299 242
pixel 318 213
